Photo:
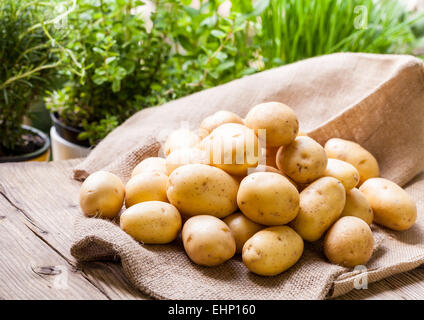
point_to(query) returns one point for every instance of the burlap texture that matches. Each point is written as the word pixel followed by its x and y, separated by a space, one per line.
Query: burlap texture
pixel 376 100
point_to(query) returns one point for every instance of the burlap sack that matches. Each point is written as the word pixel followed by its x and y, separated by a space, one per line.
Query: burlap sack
pixel 376 100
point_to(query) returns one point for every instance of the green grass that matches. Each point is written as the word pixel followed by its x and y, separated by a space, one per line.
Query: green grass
pixel 296 29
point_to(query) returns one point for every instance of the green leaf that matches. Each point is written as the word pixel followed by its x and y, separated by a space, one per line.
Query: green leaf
pixel 218 34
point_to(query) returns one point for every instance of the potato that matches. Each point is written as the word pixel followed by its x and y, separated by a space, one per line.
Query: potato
pixel 184 156
pixel 152 164
pixel 242 228
pixel 264 168
pixel 270 156
pixel 272 250
pixel 232 147
pixel 268 198
pixel 198 189
pixel 349 242
pixel 357 206
pixel 321 204
pixel 152 222
pixel 304 160
pixel 208 241
pixel 356 155
pixel 279 121
pixel 102 194
pixel 218 118
pixel 342 171
pixel 181 138
pixel 392 206
pixel 146 186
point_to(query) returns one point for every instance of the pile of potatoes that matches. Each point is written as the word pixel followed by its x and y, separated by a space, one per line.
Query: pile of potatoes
pixel 256 187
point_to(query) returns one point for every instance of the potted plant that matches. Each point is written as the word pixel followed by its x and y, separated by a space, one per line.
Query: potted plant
pixel 27 70
pixel 120 72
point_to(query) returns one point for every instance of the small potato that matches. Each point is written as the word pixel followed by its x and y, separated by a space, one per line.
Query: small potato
pixel 268 198
pixel 146 186
pixel 393 207
pixel 272 250
pixel 152 222
pixel 321 204
pixel 198 189
pixel 270 156
pixel 218 118
pixel 349 242
pixel 102 194
pixel 242 228
pixel 181 138
pixel 184 156
pixel 304 160
pixel 152 164
pixel 208 241
pixel 233 148
pixel 342 171
pixel 279 121
pixel 357 206
pixel 356 155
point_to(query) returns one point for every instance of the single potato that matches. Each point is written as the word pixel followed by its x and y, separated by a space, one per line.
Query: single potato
pixel 357 206
pixel 321 204
pixel 146 186
pixel 152 222
pixel 102 195
pixel 233 148
pixel 277 119
pixel 349 242
pixel 356 155
pixel 218 118
pixel 304 160
pixel 198 189
pixel 184 156
pixel 268 198
pixel 272 250
pixel 393 207
pixel 208 241
pixel 181 138
pixel 242 228
pixel 342 171
pixel 152 164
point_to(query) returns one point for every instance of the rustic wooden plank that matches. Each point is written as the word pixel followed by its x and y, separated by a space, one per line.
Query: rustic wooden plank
pixel 46 199
pixel 30 269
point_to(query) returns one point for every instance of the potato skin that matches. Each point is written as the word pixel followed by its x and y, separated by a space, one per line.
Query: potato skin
pixel 279 121
pixel 268 198
pixel 184 156
pixel 393 207
pixel 146 186
pixel 342 171
pixel 321 204
pixel 198 189
pixel 102 194
pixel 272 250
pixel 270 156
pixel 242 228
pixel 304 160
pixel 152 222
pixel 152 164
pixel 358 206
pixel 215 120
pixel 208 241
pixel 232 147
pixel 349 242
pixel 356 155
pixel 181 138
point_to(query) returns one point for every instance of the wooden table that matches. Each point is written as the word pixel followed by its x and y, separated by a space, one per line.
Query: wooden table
pixel 37 207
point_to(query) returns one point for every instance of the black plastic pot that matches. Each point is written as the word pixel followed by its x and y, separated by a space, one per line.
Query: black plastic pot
pixel 68 133
pixel 41 154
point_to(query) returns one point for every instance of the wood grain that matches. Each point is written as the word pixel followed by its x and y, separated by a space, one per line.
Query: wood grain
pixel 38 202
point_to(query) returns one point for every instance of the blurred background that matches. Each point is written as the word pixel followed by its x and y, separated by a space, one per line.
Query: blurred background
pixel 74 70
